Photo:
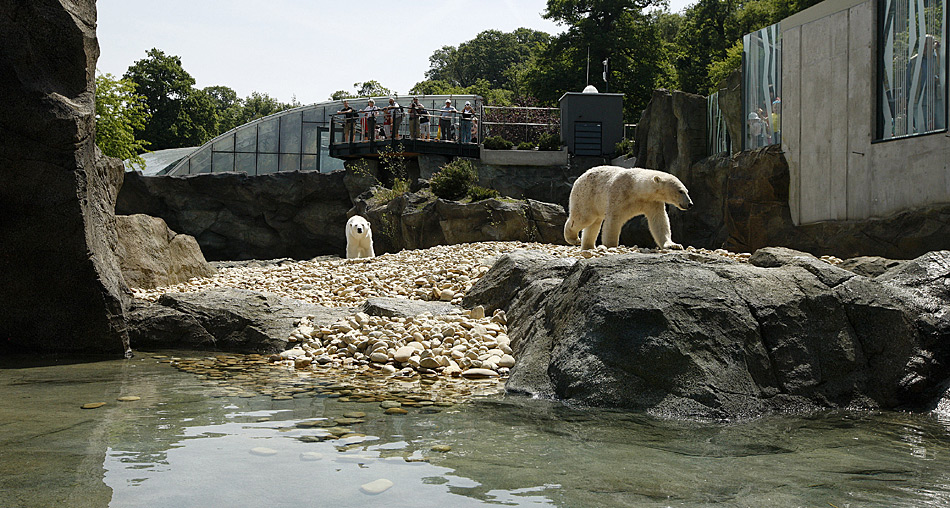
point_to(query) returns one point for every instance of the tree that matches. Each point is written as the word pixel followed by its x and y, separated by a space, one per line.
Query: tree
pixel 614 30
pixel 119 113
pixel 488 56
pixel 259 105
pixel 164 83
pixel 227 106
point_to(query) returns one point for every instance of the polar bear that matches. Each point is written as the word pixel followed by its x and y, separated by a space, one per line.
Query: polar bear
pixel 612 195
pixel 359 238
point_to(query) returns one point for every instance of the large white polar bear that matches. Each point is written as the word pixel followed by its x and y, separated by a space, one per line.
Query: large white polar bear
pixel 359 238
pixel 612 195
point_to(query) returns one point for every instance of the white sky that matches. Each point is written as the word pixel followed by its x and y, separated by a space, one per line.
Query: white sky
pixel 304 48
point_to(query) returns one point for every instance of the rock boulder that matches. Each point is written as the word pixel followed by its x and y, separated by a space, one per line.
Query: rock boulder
pixel 689 335
pixel 152 255
pixel 234 320
pixel 418 221
pixel 60 283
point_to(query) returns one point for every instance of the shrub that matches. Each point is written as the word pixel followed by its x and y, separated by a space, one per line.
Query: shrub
pixel 400 187
pixel 454 180
pixel 525 145
pixel 477 193
pixel 549 142
pixel 498 143
pixel 625 147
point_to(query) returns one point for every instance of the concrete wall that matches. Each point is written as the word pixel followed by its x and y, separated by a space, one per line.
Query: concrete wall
pixel 829 99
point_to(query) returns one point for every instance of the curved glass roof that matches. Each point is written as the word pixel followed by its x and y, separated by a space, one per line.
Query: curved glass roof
pixel 292 140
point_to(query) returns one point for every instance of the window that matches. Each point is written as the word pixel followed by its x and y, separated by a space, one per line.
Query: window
pixel 762 87
pixel 912 94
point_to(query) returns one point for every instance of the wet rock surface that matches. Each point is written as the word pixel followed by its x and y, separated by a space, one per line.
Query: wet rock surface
pixel 693 335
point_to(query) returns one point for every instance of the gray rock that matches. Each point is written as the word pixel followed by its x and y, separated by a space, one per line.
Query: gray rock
pixel 233 320
pixel 401 307
pixel 152 255
pixel 298 214
pixel 869 266
pixel 417 221
pixel 688 336
pixel 60 283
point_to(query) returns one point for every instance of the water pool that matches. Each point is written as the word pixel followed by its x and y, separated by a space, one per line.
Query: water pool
pixel 184 442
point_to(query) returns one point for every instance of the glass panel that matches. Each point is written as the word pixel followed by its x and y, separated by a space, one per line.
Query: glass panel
pixel 311 132
pixel 912 71
pixel 246 162
pixel 717 136
pixel 201 162
pixel 314 114
pixel 225 144
pixel 290 133
pixel 247 139
pixel 308 163
pixel 266 163
pixel 267 136
pixel 289 162
pixel 222 161
pixel 327 163
pixel 762 87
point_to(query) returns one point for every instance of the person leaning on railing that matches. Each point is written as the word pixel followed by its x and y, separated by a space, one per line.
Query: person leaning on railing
pixel 395 112
pixel 349 125
pixel 414 108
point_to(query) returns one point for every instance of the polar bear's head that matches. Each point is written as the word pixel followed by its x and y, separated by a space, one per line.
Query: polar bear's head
pixel 672 190
pixel 357 227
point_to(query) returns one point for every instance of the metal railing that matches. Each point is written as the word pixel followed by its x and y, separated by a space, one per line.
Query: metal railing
pixel 520 123
pixel 390 124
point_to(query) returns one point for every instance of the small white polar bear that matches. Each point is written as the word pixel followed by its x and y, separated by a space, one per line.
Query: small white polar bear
pixel 359 238
pixel 612 195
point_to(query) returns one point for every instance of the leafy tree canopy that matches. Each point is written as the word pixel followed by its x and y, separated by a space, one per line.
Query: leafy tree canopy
pixel 119 112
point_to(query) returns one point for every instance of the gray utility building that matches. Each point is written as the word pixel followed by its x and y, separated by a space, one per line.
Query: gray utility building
pixel 591 122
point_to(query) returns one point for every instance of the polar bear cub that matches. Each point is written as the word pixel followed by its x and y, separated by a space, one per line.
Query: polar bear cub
pixel 359 238
pixel 612 195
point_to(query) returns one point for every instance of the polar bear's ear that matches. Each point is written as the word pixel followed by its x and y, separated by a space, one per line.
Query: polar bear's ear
pixel 656 179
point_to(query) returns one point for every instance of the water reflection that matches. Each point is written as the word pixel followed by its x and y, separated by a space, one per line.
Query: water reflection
pixel 187 444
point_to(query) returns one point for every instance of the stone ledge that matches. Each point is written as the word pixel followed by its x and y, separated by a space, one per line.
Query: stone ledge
pixel 525 157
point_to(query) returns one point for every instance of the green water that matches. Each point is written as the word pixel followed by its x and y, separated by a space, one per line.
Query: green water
pixel 180 446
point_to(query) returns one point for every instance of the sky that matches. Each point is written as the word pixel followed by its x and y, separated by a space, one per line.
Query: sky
pixel 304 49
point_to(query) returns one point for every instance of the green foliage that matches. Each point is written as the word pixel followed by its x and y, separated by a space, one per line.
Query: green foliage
pixel 488 57
pixel 525 145
pixel 622 31
pixel 119 112
pixel 454 180
pixel 721 69
pixel 477 193
pixel 625 147
pixel 549 141
pixel 165 85
pixel 400 187
pixel 259 105
pixel 497 143
pixel 371 88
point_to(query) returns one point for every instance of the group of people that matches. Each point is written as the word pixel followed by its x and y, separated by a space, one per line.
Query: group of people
pixel 419 121
pixel 765 128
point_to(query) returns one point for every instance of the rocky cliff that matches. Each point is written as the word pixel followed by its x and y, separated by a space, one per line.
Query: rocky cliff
pixel 60 283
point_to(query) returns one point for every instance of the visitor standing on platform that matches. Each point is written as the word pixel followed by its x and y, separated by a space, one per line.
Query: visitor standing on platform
pixel 369 116
pixel 445 120
pixel 468 113
pixel 395 112
pixel 349 124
